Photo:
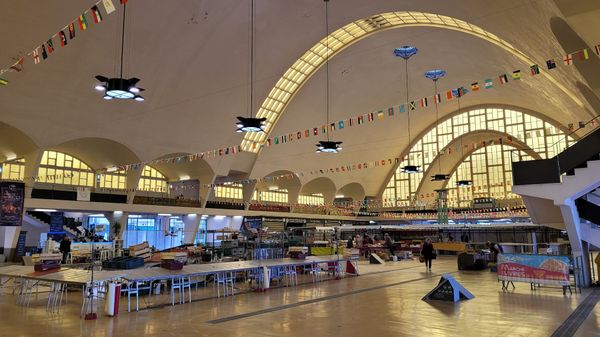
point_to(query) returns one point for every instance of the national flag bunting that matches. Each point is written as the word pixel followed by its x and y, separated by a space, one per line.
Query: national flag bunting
pixel 402 108
pixel 550 64
pixel 63 38
pixel 3 81
pixel 535 70
pixel 568 60
pixel 370 116
pixel 488 83
pixel 597 47
pixel 306 133
pixel 413 105
pixel 18 66
pixel 475 86
pixel 380 115
pixel 391 111
pixel 423 102
pixel 449 95
pixel 36 55
pixel 583 55
pixel 503 79
pixel 315 131
pixel 50 46
pixel 44 54
pixel 332 126
pixel 350 121
pixel 123 2
pixel 96 14
pixel 82 22
pixel 71 30
pixel 109 7
pixel 437 98
pixel 516 75
pixel 341 125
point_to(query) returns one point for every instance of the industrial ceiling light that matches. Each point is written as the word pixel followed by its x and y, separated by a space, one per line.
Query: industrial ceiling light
pixel 251 124
pixel 440 177
pixel 406 52
pixel 327 146
pixel 119 87
pixel 464 183
pixel 435 75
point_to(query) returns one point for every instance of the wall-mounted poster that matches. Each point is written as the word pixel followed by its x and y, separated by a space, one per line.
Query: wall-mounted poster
pixel 12 196
pixel 543 269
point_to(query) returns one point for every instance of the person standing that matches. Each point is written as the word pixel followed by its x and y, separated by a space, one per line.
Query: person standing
pixel 389 243
pixel 65 248
pixel 428 253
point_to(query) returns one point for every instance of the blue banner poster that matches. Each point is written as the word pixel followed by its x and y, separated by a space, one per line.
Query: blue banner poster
pixel 12 196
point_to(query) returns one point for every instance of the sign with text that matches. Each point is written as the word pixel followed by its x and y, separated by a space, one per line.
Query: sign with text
pixel 12 196
pixel 543 269
pixel 56 223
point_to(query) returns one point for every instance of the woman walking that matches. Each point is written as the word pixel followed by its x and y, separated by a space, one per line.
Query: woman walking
pixel 427 253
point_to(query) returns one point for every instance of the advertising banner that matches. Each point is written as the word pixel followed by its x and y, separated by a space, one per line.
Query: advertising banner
pixel 543 269
pixel 12 196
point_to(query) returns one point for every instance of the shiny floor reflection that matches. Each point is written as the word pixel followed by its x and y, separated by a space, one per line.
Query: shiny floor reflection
pixel 384 301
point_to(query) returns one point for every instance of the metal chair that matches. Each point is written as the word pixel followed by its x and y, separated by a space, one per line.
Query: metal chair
pixel 291 276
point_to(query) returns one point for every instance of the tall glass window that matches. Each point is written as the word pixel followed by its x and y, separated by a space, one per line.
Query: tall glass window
pixel 152 180
pixel 229 191
pixel 115 180
pixel 312 199
pixel 544 138
pixel 61 168
pixel 14 170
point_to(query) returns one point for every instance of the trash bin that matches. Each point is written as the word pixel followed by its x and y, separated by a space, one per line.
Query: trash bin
pixel 112 299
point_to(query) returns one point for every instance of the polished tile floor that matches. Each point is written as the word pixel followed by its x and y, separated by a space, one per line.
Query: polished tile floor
pixel 384 301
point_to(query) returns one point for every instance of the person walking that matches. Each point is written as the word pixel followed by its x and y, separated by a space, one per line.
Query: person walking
pixel 65 248
pixel 428 253
pixel 389 243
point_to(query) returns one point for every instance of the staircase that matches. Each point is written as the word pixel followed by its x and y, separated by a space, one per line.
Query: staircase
pixel 559 185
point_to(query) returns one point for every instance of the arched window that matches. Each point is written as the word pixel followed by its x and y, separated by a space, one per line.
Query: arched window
pixel 544 138
pixel 229 191
pixel 312 199
pixel 61 168
pixel 13 170
pixel 116 180
pixel 490 170
pixel 277 196
pixel 152 180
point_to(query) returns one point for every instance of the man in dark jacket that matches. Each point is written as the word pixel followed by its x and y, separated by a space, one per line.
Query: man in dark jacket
pixel 428 253
pixel 65 248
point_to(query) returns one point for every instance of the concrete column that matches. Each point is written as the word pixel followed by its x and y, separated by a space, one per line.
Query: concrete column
pixel 191 223
pixel 133 177
pixel 32 163
pixel 293 194
pixel 247 191
pixel 121 218
pixel 9 235
pixel 579 248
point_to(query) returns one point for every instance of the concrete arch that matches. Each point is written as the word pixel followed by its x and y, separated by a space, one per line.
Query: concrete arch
pixel 98 153
pixel 14 143
pixel 282 179
pixel 321 185
pixel 352 190
pixel 464 110
pixel 306 66
pixel 448 162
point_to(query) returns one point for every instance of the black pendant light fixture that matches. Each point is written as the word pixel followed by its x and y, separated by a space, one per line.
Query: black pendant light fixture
pixel 327 146
pixel 251 124
pixel 462 182
pixel 119 87
pixel 435 75
pixel 406 52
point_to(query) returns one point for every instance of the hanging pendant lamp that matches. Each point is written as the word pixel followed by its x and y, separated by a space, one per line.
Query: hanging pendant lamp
pixel 406 52
pixel 462 182
pixel 119 87
pixel 251 124
pixel 435 75
pixel 327 146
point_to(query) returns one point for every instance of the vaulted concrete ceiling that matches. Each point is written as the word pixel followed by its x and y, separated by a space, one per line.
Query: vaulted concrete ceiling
pixel 192 58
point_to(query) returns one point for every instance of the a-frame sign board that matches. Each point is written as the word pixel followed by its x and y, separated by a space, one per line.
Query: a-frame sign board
pixel 448 289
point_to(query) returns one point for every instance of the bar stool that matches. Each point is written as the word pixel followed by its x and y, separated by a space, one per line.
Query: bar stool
pixel 133 288
pixel 177 284
pixel 291 276
pixel 315 271
pixel 69 259
pixel 226 280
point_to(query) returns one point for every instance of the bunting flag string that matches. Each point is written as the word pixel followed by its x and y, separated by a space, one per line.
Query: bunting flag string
pixel 424 102
pixel 48 47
